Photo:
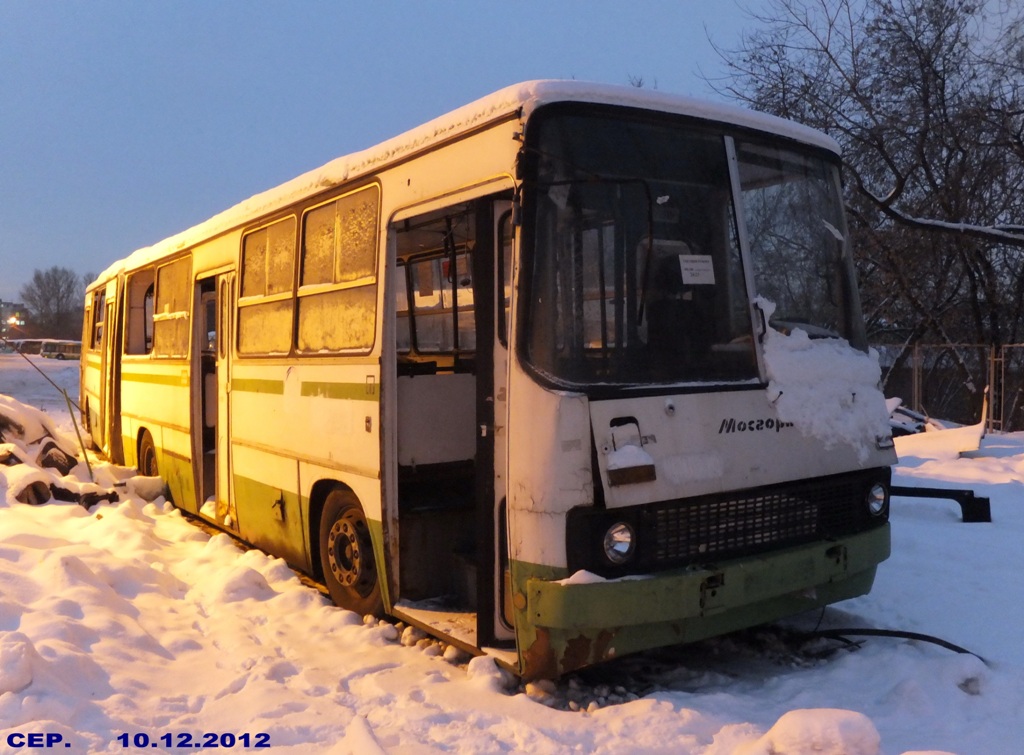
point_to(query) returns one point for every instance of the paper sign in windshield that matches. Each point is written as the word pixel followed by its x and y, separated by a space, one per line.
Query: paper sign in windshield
pixel 697 269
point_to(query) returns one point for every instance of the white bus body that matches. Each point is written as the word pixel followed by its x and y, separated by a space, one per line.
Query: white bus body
pixel 484 375
pixel 51 348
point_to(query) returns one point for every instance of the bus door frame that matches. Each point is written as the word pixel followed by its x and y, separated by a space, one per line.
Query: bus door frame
pixel 219 390
pixel 492 369
pixel 110 369
pixel 493 622
pixel 225 342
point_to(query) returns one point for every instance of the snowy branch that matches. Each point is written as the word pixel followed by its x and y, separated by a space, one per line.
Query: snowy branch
pixel 1004 235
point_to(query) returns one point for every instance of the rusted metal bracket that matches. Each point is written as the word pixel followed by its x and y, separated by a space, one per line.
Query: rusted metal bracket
pixel 973 508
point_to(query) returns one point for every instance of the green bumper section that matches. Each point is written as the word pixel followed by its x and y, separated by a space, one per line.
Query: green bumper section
pixel 567 626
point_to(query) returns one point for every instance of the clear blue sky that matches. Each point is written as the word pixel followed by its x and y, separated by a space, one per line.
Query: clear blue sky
pixel 123 122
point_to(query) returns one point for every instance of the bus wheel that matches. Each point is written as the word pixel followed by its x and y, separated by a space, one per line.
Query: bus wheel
pixel 346 555
pixel 147 456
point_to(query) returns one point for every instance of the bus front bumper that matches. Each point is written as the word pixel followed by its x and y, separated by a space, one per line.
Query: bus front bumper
pixel 578 624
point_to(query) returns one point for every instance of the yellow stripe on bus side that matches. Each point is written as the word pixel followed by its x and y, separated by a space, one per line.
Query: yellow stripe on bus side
pixel 140 377
pixel 349 391
pixel 320 389
pixel 257 385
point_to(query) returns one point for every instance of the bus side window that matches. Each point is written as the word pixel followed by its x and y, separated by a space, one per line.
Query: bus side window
pixel 99 310
pixel 147 309
pixel 265 303
pixel 435 291
pixel 505 232
pixel 171 315
pixel 403 325
pixel 436 249
pixel 139 325
pixel 210 325
pixel 337 297
pixel 86 325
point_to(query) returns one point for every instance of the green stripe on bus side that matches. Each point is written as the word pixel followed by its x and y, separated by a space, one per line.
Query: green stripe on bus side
pixel 255 385
pixel 139 377
pixel 320 389
pixel 349 391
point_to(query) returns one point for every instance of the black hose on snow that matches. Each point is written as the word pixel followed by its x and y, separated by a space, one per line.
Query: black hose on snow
pixel 840 634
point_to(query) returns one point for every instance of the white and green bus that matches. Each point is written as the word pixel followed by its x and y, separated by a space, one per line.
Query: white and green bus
pixel 503 377
pixel 53 348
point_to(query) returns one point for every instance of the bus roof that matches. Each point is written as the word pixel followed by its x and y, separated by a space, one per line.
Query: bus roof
pixel 523 98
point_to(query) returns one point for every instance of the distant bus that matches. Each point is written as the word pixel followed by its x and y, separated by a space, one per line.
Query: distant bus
pixel 503 377
pixel 26 345
pixel 56 349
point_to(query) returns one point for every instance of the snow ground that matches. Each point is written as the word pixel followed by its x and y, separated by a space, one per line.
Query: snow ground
pixel 128 620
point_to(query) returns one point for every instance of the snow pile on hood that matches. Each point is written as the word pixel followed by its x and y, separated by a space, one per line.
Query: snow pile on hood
pixel 826 389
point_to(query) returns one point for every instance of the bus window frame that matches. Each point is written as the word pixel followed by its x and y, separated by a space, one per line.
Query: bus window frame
pixel 310 291
pixel 256 301
pixel 182 313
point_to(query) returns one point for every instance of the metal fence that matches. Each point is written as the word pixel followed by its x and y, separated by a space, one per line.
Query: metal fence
pixel 948 381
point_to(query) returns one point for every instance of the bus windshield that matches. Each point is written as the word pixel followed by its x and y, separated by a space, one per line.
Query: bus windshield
pixel 794 222
pixel 635 273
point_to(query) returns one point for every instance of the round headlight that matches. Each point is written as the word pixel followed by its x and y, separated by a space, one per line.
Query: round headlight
pixel 877 498
pixel 619 543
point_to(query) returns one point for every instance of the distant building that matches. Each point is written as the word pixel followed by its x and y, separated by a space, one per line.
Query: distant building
pixel 12 319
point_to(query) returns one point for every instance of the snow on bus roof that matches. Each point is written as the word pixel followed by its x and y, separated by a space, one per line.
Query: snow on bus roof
pixel 524 97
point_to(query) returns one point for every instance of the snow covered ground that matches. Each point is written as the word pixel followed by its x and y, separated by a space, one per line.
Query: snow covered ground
pixel 126 628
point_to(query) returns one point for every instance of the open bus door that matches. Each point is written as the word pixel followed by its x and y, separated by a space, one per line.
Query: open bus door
pixel 211 395
pixel 446 540
pixel 493 274
pixel 505 247
pixel 112 374
pixel 106 339
pixel 225 337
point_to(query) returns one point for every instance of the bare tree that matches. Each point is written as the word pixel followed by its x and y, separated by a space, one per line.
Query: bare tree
pixel 926 99
pixel 55 298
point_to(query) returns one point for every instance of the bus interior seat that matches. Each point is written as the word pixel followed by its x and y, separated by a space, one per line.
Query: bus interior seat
pixel 436 484
pixel 436 441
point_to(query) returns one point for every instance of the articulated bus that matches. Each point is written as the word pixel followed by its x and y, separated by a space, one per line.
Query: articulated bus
pixel 480 378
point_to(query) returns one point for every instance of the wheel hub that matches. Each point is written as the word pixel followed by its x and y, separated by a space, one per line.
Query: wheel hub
pixel 348 554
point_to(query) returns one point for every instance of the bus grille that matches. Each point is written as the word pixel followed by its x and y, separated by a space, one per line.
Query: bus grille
pixel 716 529
pixel 709 528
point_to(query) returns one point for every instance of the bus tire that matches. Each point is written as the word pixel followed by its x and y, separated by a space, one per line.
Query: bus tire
pixel 346 555
pixel 147 456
